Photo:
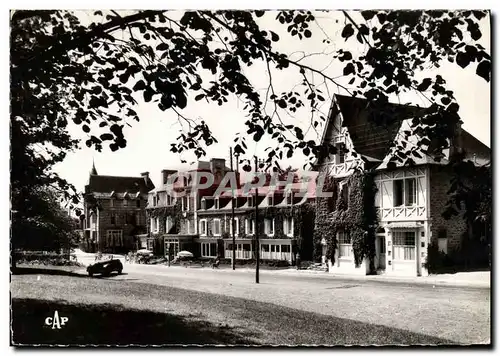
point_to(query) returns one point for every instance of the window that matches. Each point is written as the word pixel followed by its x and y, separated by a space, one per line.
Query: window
pixel 340 156
pixel 185 204
pixel 236 227
pixel 269 226
pixel 155 224
pixel 249 227
pixel 405 192
pixel 288 226
pixel 125 202
pixel 155 200
pixel 111 203
pixel 209 249
pixel 138 203
pixel 344 191
pixel 113 219
pixel 203 204
pixel 270 200
pixel 410 191
pixel 216 227
pixel 250 201
pixel 216 203
pixel 168 224
pixel 289 198
pixel 265 248
pixel 285 248
pixel 114 237
pixel 150 244
pixel 404 245
pixel 345 244
pixel 203 227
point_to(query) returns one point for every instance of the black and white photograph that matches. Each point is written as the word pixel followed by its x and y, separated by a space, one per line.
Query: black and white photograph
pixel 250 177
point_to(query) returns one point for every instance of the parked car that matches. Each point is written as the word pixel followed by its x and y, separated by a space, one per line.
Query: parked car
pixel 105 268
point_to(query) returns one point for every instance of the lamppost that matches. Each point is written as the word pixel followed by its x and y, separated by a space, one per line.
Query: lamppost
pixel 257 245
pixel 232 211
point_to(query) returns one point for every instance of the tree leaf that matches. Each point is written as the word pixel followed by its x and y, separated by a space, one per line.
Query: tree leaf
pixel 348 69
pixel 140 85
pixel 347 32
pixel 484 70
pixel 463 59
pixel 426 83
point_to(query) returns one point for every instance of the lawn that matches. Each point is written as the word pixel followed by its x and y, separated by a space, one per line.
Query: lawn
pixel 117 312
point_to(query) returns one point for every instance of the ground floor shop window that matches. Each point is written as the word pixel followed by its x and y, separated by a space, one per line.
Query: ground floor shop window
pixel 404 245
pixel 171 248
pixel 242 250
pixel 114 237
pixel 345 244
pixel 209 249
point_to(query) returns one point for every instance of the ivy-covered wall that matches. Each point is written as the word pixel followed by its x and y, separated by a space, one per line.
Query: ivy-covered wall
pixel 303 226
pixel 357 216
pixel 162 213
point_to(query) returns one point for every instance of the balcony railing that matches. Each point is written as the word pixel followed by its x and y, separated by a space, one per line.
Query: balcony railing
pixel 402 213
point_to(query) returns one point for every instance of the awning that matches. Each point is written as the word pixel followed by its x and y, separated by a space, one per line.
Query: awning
pixel 404 225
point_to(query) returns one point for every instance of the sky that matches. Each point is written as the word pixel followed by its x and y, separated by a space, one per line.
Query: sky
pixel 148 141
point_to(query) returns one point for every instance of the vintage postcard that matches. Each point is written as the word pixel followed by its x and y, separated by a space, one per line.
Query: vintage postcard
pixel 244 178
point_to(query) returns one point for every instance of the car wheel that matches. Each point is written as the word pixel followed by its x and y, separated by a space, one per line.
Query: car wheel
pixel 120 271
pixel 90 274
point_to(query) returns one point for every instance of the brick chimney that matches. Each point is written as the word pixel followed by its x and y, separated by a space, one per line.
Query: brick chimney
pixel 217 167
pixel 145 175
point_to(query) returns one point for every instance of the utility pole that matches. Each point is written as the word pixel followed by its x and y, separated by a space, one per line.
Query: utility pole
pixel 232 211
pixel 257 247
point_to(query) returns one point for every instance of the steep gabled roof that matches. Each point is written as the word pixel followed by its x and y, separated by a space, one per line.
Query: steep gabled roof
pixel 372 129
pixel 108 184
pixel 472 146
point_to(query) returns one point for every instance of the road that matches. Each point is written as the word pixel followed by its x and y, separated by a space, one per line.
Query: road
pixel 461 315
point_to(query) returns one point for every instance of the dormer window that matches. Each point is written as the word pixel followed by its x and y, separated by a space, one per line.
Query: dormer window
pixel 289 198
pixel 217 203
pixel 203 204
pixel 270 200
pixel 125 202
pixel 155 200
pixel 250 202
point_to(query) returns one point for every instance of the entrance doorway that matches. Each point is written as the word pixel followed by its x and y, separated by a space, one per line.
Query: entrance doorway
pixel 380 250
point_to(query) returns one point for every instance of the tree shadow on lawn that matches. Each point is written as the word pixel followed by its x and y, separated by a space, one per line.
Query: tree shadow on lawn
pixel 66 272
pixel 108 324
pixel 63 271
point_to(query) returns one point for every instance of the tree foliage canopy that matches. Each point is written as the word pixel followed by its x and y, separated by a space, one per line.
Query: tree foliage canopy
pixel 96 74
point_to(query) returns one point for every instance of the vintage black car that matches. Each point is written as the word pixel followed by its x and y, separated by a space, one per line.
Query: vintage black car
pixel 105 268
